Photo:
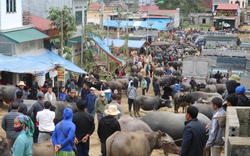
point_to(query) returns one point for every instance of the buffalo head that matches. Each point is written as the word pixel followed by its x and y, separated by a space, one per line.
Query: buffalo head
pixel 168 144
pixel 166 102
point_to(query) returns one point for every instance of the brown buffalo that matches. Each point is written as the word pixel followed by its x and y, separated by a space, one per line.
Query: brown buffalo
pixel 42 149
pixel 133 143
pixel 129 124
pixel 4 147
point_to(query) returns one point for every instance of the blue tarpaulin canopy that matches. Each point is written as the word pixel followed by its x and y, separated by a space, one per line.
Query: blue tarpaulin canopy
pixel 120 42
pixel 159 24
pixel 19 64
pixel 105 48
pixel 53 59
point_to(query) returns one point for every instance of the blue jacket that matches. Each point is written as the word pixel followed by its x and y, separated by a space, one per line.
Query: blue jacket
pixel 194 138
pixel 84 93
pixel 177 88
pixel 64 135
pixel 90 102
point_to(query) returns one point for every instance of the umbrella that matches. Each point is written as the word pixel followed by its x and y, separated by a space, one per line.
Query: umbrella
pixel 226 25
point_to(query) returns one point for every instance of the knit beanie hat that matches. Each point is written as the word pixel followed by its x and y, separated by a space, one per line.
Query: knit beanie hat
pixel 24 119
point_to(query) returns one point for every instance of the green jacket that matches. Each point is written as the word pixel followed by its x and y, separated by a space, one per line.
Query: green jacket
pixel 99 105
pixel 143 84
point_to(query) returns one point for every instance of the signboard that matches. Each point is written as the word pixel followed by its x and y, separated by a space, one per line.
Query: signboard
pixel 227 14
pixel 60 73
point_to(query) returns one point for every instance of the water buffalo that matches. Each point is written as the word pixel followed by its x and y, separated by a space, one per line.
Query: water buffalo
pixel 149 103
pixel 6 94
pixel 113 84
pixel 44 148
pixel 210 88
pixel 220 88
pixel 194 96
pixel 129 124
pixel 4 147
pixel 178 103
pixel 159 71
pixel 170 123
pixel 205 109
pixel 60 106
pixel 134 68
pixel 124 82
pixel 211 81
pixel 167 79
pixel 133 143
pixel 175 64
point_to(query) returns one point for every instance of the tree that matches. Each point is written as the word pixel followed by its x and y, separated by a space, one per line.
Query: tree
pixel 69 24
pixel 186 6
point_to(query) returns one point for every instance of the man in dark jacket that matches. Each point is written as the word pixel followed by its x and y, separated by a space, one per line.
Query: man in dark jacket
pixel 84 128
pixel 194 135
pixel 193 84
pixel 80 84
pixel 34 88
pixel 72 96
pixel 85 91
pixel 107 126
pixel 157 88
pixel 148 82
pixel 242 99
pixel 22 107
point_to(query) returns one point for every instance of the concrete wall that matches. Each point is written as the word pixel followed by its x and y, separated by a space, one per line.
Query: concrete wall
pixel 199 20
pixel 237 142
pixel 11 20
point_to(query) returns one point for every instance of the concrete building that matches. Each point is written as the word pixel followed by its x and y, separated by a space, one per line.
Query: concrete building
pixel 200 19
pixel 227 13
pixel 40 8
pixel 242 3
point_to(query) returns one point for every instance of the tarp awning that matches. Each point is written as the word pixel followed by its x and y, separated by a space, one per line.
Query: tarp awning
pixel 105 48
pixel 25 35
pixel 19 64
pixel 159 24
pixel 53 59
pixel 120 42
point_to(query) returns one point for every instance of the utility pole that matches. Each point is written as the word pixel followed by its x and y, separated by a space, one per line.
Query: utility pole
pixel 61 50
pixel 101 16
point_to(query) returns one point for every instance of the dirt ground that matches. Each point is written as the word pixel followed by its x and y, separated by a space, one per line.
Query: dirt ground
pixel 95 147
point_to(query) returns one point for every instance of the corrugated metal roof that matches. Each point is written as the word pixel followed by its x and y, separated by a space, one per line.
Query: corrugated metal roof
pixel 24 35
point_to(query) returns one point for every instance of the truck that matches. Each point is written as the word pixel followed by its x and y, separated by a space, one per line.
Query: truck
pixel 197 67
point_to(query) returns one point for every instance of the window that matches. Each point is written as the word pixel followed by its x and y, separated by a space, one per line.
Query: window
pixel 243 5
pixel 78 17
pixel 10 6
pixel 203 21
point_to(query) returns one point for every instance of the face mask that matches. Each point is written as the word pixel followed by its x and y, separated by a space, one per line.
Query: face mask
pixel 18 129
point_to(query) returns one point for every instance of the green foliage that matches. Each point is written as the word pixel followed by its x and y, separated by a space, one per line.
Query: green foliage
pixel 186 6
pixel 112 47
pixel 69 24
pixel 124 47
pixel 88 61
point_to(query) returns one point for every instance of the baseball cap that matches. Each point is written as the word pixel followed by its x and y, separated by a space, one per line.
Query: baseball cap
pixel 92 88
pixel 40 94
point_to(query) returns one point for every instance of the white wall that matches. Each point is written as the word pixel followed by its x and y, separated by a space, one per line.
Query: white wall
pixel 243 3
pixel 11 20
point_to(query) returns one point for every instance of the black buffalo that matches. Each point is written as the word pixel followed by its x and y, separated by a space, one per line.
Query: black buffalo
pixel 149 103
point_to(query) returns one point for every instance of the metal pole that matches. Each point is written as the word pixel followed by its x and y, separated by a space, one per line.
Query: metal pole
pixel 147 23
pixel 127 20
pixel 108 32
pixel 101 17
pixel 61 49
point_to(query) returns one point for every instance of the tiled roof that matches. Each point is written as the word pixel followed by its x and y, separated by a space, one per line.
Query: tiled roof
pixel 40 23
pixel 227 7
pixel 145 8
pixel 163 12
pixel 96 6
